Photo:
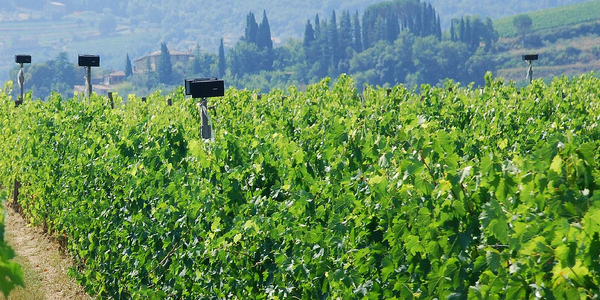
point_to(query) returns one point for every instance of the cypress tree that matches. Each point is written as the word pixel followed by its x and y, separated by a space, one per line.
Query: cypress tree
pixel 251 31
pixel 379 30
pixel 358 47
pixel 265 44
pixel 439 28
pixel 334 41
pixel 323 48
pixel 393 27
pixel 165 67
pixel 432 19
pixel 418 28
pixel 468 33
pixel 365 32
pixel 345 33
pixel 128 67
pixel 462 30
pixel 324 45
pixel 317 26
pixel 263 40
pixel 318 39
pixel 309 42
pixel 309 35
pixel 475 33
pixel 425 21
pixel 196 64
pixel 452 31
pixel 490 34
pixel 222 64
pixel 410 24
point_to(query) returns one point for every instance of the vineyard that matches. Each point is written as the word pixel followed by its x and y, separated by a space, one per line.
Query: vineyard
pixel 553 18
pixel 450 192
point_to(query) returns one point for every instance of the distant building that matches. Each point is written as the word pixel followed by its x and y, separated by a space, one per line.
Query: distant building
pixel 114 78
pixel 104 84
pixel 140 65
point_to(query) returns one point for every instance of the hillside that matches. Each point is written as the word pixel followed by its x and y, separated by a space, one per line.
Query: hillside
pixel 553 18
pixel 493 8
pixel 137 27
pixel 566 38
pixel 114 28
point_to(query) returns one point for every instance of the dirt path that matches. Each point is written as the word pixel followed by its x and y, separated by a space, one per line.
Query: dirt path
pixel 45 267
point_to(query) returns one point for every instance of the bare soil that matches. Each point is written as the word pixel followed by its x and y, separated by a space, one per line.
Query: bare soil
pixel 44 265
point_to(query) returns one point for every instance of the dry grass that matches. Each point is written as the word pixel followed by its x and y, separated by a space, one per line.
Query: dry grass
pixel 583 43
pixel 33 289
pixel 518 74
pixel 45 267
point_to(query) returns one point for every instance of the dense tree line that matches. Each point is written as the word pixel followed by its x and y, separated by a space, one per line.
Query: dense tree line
pixel 330 45
pixel 472 31
pixel 57 75
pixel 392 42
pixel 385 21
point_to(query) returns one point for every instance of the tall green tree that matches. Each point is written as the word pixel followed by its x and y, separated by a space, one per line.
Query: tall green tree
pixel 418 28
pixel 392 27
pixel 366 32
pixel 491 36
pixel 309 42
pixel 358 46
pixel 244 58
pixel 251 31
pixel 523 24
pixel 319 38
pixel 425 21
pixel 222 63
pixel 462 33
pixel 57 75
pixel 265 43
pixel 309 35
pixel 321 62
pixel 128 67
pixel 196 63
pixel 334 42
pixel 64 70
pixel 477 33
pixel 439 28
pixel 264 40
pixel 468 37
pixel 345 32
pixel 165 66
pixel 202 64
pixel 317 26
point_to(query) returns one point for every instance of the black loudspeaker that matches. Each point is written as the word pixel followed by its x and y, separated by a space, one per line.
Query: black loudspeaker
pixel 23 59
pixel 530 57
pixel 205 87
pixel 89 60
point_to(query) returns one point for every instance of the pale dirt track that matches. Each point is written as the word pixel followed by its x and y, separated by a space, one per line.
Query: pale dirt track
pixel 44 265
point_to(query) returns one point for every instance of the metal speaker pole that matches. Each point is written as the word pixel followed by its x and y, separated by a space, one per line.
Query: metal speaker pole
pixel 88 83
pixel 21 81
pixel 206 123
pixel 88 61
pixel 22 59
pixel 529 58
pixel 204 88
